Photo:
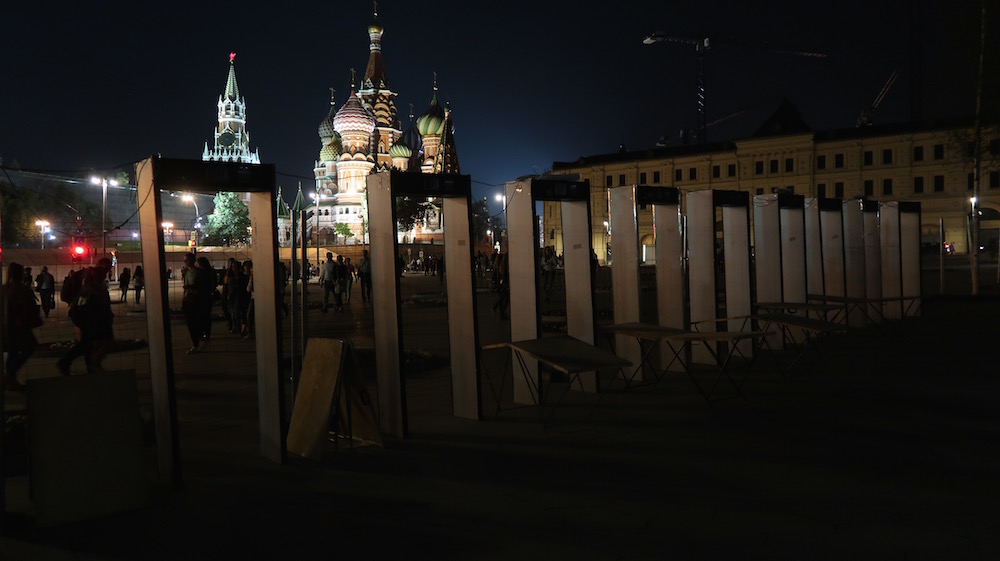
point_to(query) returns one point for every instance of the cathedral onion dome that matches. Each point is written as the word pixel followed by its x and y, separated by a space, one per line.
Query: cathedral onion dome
pixel 326 129
pixel 354 117
pixel 411 138
pixel 331 151
pixel 400 150
pixel 431 123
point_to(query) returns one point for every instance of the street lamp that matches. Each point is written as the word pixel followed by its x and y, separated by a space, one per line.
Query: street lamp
pixel 103 182
pixel 44 225
pixel 168 230
pixel 317 197
pixel 502 198
pixel 197 215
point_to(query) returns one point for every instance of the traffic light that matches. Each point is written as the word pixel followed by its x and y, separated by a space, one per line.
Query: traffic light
pixel 78 250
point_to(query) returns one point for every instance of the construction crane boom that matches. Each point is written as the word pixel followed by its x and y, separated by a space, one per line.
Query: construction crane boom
pixel 866 115
pixel 703 45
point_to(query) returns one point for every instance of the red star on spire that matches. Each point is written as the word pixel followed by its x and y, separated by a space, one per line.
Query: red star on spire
pixel 232 55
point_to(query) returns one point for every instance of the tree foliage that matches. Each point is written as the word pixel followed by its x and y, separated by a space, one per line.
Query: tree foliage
pixel 480 219
pixel 59 206
pixel 229 222
pixel 409 212
pixel 342 229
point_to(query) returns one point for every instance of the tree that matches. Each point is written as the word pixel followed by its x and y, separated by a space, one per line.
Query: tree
pixel 229 222
pixel 409 212
pixel 480 219
pixel 342 229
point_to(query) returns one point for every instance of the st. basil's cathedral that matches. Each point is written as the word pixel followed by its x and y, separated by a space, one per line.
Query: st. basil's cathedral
pixel 361 137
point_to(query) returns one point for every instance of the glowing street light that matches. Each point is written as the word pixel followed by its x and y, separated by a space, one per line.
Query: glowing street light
pixel 44 225
pixel 168 229
pixel 188 198
pixel 103 182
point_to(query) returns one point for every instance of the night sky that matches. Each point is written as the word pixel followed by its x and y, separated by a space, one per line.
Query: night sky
pixel 101 85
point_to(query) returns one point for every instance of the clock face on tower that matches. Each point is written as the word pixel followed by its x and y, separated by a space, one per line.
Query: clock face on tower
pixel 227 138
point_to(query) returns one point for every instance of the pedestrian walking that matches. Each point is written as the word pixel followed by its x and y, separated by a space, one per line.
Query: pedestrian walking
pixel 138 282
pixel 207 292
pixel 123 281
pixel 197 296
pixel 90 311
pixel 348 278
pixel 21 313
pixel 502 288
pixel 45 284
pixel 248 315
pixel 365 276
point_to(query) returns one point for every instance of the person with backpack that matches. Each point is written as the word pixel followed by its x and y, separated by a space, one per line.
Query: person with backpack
pixel 45 284
pixel 90 311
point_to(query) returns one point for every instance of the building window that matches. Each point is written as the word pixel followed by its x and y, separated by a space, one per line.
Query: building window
pixel 716 171
pixel 775 190
pixel 773 166
pixel 678 175
pixel 869 188
pixel 821 190
pixel 642 178
pixel 887 156
pixel 607 181
pixel 656 177
pixel 820 162
pixel 887 186
pixel 692 174
pixel 838 190
pixel 838 160
pixel 938 183
pixel 918 184
pixel 789 165
pixel 621 179
pixel 995 180
pixel 760 191
pixel 939 151
pixel 758 167
pixel 918 153
pixel 731 172
pixel 869 158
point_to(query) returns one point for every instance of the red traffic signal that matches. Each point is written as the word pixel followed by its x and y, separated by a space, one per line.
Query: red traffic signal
pixel 78 252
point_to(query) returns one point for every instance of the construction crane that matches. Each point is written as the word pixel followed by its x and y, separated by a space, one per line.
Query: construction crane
pixel 702 45
pixel 866 115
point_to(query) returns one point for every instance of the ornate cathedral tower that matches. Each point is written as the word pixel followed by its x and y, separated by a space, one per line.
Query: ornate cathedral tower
pixel 232 141
pixel 356 126
pixel 431 125
pixel 379 99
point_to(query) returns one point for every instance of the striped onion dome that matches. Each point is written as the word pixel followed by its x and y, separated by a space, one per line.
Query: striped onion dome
pixel 353 117
pixel 400 150
pixel 431 123
pixel 326 129
pixel 330 152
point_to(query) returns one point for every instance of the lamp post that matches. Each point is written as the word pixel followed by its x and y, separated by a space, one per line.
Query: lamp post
pixel 168 230
pixel 188 198
pixel 502 197
pixel 44 226
pixel 317 197
pixel 103 182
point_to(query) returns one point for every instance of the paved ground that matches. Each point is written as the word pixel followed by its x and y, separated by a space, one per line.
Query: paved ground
pixel 873 449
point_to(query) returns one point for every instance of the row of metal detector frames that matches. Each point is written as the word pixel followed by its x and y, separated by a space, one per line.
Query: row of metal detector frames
pixel 710 275
pixel 713 264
